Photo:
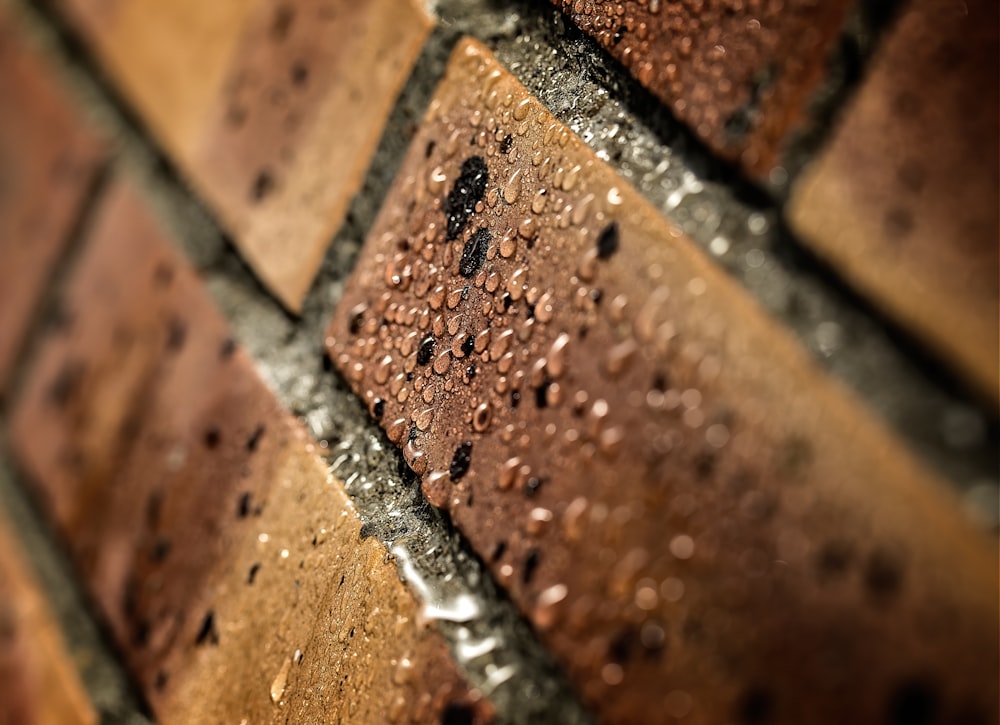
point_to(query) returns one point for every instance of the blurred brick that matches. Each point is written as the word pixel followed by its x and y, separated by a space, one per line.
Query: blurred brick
pixel 294 128
pixel 903 201
pixel 701 525
pixel 48 160
pixel 39 684
pixel 273 110
pixel 226 561
pixel 739 74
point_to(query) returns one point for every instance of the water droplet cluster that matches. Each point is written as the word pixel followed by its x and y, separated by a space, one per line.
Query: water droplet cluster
pixel 626 442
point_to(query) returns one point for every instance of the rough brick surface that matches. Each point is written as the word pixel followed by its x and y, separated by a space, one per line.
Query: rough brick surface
pixel 273 110
pixel 699 523
pixel 904 200
pixel 48 159
pixel 39 684
pixel 740 74
pixel 227 563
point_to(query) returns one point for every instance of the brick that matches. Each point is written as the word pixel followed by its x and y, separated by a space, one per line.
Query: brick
pixel 273 110
pixel 903 201
pixel 739 74
pixel 48 159
pixel 228 564
pixel 698 522
pixel 39 684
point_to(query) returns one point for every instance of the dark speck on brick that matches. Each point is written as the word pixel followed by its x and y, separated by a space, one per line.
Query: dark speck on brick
pixel 461 461
pixel 253 440
pixel 207 633
pixel 263 185
pixel 468 190
pixel 474 252
pixel 607 241
pixel 426 351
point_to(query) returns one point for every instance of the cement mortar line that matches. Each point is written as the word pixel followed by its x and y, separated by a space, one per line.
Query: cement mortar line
pixel 289 354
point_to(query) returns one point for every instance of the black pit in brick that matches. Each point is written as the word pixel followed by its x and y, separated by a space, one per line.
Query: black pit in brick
pixel 468 190
pixel 461 461
pixel 474 253
pixel 426 351
pixel 607 241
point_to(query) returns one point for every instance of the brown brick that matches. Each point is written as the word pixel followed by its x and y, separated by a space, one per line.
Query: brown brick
pixel 48 159
pixel 210 535
pixel 903 201
pixel 698 522
pixel 739 74
pixel 272 109
pixel 39 684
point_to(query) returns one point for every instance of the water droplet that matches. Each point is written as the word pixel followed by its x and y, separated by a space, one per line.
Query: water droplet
pixel 682 546
pixel 513 189
pixel 482 417
pixel 280 682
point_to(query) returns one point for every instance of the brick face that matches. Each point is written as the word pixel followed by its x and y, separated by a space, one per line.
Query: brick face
pixel 39 684
pixel 273 110
pixel 205 528
pixel 740 74
pixel 903 202
pixel 698 523
pixel 48 160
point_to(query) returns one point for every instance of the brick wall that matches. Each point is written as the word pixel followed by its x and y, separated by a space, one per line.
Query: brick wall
pixel 499 361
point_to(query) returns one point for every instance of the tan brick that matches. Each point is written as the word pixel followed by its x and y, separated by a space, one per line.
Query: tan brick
pixel 273 110
pixel 903 201
pixel 226 561
pixel 739 74
pixel 48 159
pixel 700 524
pixel 39 684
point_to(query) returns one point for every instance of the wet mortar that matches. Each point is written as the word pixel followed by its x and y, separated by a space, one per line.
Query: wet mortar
pixel 736 224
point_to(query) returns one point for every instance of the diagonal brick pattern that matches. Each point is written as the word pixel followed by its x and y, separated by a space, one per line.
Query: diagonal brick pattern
pixel 248 96
pixel 226 561
pixel 666 486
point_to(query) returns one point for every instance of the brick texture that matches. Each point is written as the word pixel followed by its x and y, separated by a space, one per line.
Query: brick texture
pixel 699 523
pixel 739 74
pixel 904 200
pixel 48 160
pixel 227 563
pixel 273 110
pixel 39 684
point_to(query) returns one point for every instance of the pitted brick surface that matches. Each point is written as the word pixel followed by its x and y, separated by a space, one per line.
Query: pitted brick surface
pixel 904 200
pixel 48 160
pixel 227 562
pixel 273 110
pixel 739 73
pixel 699 523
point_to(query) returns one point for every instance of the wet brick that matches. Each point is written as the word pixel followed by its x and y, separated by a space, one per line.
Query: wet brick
pixel 227 563
pixel 903 202
pixel 739 74
pixel 698 523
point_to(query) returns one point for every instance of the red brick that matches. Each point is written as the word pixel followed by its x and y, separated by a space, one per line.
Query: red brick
pixel 698 522
pixel 273 110
pixel 48 159
pixel 206 529
pixel 39 684
pixel 739 74
pixel 903 202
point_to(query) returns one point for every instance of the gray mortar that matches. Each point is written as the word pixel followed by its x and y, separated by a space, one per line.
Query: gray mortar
pixel 734 223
